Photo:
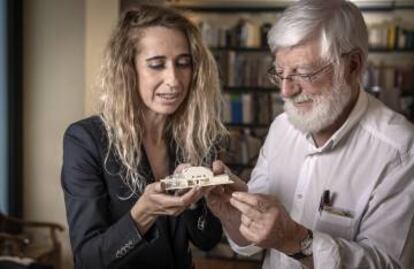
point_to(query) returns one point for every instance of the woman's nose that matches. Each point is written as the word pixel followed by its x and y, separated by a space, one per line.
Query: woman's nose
pixel 171 77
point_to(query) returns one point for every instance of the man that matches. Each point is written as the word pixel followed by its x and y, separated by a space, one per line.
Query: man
pixel 333 186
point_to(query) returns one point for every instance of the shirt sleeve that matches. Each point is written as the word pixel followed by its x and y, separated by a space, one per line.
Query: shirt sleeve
pixel 385 236
pixel 248 250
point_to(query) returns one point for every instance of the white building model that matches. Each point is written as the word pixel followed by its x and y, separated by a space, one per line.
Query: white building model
pixel 194 176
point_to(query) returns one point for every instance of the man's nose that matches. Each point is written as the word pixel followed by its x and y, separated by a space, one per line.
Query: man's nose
pixel 288 88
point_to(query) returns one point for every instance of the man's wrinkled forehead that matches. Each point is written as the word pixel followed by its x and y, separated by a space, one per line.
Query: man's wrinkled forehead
pixel 305 55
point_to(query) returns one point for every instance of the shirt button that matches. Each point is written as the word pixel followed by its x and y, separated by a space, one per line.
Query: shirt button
pixel 299 196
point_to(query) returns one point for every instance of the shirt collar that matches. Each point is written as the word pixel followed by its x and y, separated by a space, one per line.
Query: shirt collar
pixel 353 118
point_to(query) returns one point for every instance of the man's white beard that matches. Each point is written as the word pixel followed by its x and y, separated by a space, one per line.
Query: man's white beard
pixel 326 108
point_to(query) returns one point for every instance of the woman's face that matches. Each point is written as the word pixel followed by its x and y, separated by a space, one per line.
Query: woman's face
pixel 164 69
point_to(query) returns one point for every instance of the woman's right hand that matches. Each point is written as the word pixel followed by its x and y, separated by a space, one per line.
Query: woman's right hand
pixel 155 202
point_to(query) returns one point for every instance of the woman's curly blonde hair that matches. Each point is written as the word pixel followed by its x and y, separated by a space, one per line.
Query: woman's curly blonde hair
pixel 195 128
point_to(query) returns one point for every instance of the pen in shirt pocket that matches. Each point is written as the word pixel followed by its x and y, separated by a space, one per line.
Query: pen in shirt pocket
pixel 325 200
pixel 326 205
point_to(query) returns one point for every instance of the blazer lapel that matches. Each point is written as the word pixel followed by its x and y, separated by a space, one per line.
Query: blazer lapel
pixel 172 154
pixel 166 224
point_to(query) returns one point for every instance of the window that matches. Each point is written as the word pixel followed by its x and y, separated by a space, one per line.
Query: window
pixel 3 112
pixel 10 106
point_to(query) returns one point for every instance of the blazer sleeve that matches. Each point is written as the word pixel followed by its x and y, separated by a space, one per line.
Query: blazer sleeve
pixel 204 229
pixel 96 243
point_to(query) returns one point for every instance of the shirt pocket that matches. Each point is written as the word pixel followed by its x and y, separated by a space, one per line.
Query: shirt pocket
pixel 335 225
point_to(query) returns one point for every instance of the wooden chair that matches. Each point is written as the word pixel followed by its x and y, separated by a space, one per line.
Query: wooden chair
pixel 17 238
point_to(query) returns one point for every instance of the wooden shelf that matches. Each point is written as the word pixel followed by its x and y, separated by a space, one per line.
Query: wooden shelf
pixel 279 6
pixel 250 89
pixel 242 49
pixel 407 94
pixel 223 7
pixel 380 50
pixel 266 50
pixel 247 125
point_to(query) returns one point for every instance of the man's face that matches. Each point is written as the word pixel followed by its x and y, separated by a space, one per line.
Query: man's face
pixel 314 98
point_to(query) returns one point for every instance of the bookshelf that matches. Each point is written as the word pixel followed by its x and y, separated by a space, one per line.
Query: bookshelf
pixel 241 49
pixel 249 89
pixel 231 6
pixel 235 32
pixel 237 37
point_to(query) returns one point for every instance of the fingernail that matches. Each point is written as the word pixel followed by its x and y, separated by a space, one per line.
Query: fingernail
pixel 235 194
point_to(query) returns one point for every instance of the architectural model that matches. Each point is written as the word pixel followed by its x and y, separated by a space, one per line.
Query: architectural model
pixel 194 176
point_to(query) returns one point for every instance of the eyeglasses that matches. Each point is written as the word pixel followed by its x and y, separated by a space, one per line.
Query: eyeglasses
pixel 302 79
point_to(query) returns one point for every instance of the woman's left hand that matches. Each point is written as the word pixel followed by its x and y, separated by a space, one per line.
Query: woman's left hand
pixel 154 202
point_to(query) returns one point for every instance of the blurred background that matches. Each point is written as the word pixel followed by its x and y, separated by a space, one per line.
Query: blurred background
pixel 50 52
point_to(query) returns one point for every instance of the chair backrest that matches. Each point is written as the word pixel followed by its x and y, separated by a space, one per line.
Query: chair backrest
pixel 9 224
pixel 16 235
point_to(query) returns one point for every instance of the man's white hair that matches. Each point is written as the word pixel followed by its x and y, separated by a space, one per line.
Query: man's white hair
pixel 338 25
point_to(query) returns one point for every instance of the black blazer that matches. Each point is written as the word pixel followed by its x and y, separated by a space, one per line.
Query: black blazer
pixel 102 232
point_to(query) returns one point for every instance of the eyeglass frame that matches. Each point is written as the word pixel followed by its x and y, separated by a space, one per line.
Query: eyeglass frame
pixel 273 76
pixel 277 80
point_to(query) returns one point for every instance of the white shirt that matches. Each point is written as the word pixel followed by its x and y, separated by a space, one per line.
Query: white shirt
pixel 368 164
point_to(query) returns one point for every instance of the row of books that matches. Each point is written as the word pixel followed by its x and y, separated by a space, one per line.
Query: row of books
pixel 250 70
pixel 394 85
pixel 407 106
pixel 381 76
pixel 391 84
pixel 243 148
pixel 244 34
pixel 243 69
pixel 251 108
pixel 391 35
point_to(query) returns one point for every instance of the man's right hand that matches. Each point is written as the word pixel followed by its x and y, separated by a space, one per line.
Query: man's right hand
pixel 218 200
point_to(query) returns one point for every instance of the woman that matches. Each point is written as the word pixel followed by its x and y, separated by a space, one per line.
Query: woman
pixel 160 107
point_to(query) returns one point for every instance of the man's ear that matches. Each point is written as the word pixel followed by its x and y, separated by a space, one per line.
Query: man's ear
pixel 355 62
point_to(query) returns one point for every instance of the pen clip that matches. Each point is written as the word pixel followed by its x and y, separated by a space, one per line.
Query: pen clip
pixel 325 200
